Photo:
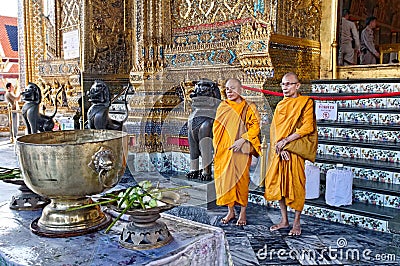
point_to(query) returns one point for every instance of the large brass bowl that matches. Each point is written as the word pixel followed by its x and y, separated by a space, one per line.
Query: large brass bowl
pixel 68 167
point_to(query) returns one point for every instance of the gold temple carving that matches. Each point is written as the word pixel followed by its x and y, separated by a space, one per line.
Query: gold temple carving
pixel 159 45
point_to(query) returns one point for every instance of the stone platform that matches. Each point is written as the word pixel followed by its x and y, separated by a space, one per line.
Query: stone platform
pixel 192 243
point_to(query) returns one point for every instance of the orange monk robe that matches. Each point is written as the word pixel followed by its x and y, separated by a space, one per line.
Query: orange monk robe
pixel 287 178
pixel 231 169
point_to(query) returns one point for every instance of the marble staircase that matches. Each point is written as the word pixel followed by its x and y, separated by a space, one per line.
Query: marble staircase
pixel 365 139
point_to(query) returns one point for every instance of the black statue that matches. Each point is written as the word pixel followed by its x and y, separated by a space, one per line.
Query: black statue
pixel 34 120
pixel 98 113
pixel 78 115
pixel 205 100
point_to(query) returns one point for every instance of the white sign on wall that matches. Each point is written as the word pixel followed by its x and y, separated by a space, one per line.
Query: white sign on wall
pixel 71 44
pixel 326 111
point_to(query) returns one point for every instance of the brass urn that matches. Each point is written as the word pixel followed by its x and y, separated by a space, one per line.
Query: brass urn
pixel 67 167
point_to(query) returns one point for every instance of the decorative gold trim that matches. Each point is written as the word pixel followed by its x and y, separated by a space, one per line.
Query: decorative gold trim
pixel 288 40
pixel 388 48
pixel 368 71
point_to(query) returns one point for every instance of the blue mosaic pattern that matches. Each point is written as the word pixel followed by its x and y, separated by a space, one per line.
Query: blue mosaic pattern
pixel 213 57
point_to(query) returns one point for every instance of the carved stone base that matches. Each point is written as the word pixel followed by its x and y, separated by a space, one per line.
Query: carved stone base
pixel 145 233
pixel 26 199
pixel 202 194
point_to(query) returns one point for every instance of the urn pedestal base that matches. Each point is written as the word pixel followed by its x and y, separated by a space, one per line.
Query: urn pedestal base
pixel 25 199
pixel 57 220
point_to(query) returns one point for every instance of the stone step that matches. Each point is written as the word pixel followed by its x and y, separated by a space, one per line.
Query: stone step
pixel 359 214
pixel 349 93
pixel 359 208
pixel 374 175
pixel 358 162
pixel 391 110
pixel 376 144
pixel 372 186
pixel 359 136
pixel 362 86
pixel 365 140
pixel 354 153
pixel 369 118
pixel 359 125
pixel 371 192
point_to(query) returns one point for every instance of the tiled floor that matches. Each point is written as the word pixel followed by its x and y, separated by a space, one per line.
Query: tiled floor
pixel 321 242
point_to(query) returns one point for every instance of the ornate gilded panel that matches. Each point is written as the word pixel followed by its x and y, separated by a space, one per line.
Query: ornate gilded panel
pixel 71 14
pixel 219 33
pixel 59 68
pixel 253 51
pixel 109 50
pixel 50 24
pixel 299 18
pixel 21 42
pixel 186 13
pixel 137 35
pixel 204 35
pixel 289 55
pixel 34 37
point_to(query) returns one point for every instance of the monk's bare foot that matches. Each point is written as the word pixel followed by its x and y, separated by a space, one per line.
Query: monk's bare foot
pixel 296 230
pixel 278 226
pixel 227 218
pixel 241 220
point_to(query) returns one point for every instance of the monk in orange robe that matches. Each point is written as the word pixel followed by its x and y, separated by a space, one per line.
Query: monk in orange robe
pixel 231 164
pixel 293 138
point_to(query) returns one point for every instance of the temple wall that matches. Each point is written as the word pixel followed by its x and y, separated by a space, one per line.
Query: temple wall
pixel 107 38
pixel 158 36
pixel 160 45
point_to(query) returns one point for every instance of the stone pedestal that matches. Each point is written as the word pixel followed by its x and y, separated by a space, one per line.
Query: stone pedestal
pixel 192 243
pixel 202 193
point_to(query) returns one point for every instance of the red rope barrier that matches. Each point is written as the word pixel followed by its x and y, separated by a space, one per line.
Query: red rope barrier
pixel 330 98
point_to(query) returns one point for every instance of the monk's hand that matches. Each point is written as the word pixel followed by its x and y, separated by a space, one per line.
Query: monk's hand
pixel 280 145
pixel 237 144
pixel 285 155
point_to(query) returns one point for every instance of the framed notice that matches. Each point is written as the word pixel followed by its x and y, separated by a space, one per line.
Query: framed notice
pixel 326 111
pixel 71 44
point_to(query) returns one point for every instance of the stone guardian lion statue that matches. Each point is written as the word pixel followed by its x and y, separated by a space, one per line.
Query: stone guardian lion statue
pixel 205 100
pixel 98 113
